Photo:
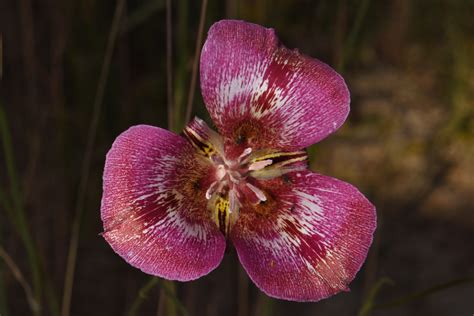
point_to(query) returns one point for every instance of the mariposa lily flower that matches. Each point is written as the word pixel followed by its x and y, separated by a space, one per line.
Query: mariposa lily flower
pixel 172 203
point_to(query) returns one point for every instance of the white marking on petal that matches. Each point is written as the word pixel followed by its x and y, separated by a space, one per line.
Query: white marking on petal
pixel 310 202
pixel 263 87
pixel 143 197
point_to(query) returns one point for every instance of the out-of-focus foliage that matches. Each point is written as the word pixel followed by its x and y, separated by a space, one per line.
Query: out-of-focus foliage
pixel 408 144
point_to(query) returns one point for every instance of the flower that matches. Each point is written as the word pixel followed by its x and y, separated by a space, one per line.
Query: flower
pixel 171 203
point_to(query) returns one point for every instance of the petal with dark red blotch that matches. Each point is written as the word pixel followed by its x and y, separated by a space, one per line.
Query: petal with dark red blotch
pixel 260 93
pixel 308 240
pixel 153 206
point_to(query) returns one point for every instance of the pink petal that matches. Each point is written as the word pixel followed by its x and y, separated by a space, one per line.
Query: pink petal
pixel 153 208
pixel 309 240
pixel 258 91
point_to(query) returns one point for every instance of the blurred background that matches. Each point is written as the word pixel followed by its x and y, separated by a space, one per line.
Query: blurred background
pixel 75 74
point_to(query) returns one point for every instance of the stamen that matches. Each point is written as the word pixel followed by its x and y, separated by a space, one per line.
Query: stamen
pixel 276 164
pixel 211 190
pixel 234 202
pixel 234 176
pixel 273 173
pixel 260 164
pixel 244 154
pixel 220 173
pixel 259 193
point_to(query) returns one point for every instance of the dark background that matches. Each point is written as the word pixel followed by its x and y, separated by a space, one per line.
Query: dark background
pixel 408 145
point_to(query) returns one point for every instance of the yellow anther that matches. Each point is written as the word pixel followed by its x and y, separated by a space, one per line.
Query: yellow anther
pixel 204 147
pixel 222 214
pixel 281 158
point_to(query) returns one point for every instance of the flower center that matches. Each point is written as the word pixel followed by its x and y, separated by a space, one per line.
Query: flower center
pixel 232 179
pixel 236 182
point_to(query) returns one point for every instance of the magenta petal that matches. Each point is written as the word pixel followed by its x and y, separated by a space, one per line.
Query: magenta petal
pixel 153 210
pixel 309 241
pixel 259 91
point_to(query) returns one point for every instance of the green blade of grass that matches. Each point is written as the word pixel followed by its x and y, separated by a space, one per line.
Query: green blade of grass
pixel 142 14
pixel 79 212
pixel 143 294
pixel 424 293
pixel 369 302
pixel 370 305
pixel 3 286
pixel 197 50
pixel 16 212
pixel 9 160
pixel 170 292
pixel 3 292
pixel 166 304
pixel 181 58
pixel 265 305
pixel 15 271
pixel 353 35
